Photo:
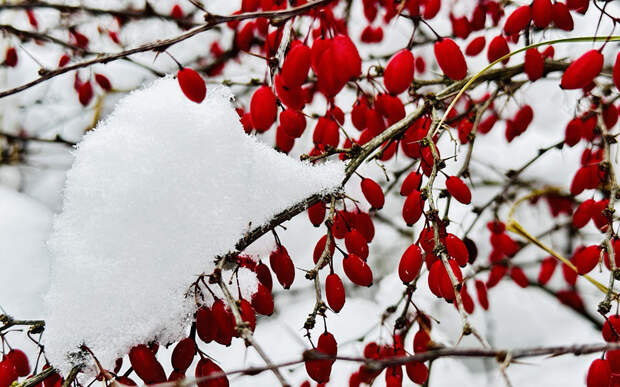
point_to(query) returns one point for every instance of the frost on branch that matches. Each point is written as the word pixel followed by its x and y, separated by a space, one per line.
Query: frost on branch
pixel 155 193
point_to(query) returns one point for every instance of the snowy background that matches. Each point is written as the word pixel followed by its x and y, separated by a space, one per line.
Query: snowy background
pixel 182 216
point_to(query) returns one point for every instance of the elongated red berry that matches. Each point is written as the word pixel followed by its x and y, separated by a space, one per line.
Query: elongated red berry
pixel 64 59
pixel 399 72
pixel 357 270
pixel 282 266
pixel 177 12
pixel 458 189
pixel 8 373
pixel 498 47
pixel 542 13
pixel 481 292
pixel 450 59
pixel 518 276
pixel 247 313
pixel 413 207
pixel 103 82
pixel 293 122
pixel 412 182
pixel 296 65
pixel 145 364
pixel 20 361
pixel 561 16
pixel 224 322
pixel 205 324
pixel 547 267
pixel 356 243
pixel 476 46
pixel 518 20
pixel 85 93
pixel 598 374
pixel 10 58
pixel 262 301
pixel 583 213
pixel 534 64
pixel 417 372
pixel 334 292
pixel 207 367
pixel 316 213
pixel 373 193
pixel 496 274
pixel 410 264
pixel 183 354
pixel 583 70
pixel 586 259
pixel 192 84
pixel 263 108
pixel 457 249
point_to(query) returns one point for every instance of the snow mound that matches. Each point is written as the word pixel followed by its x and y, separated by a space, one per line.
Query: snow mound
pixel 155 192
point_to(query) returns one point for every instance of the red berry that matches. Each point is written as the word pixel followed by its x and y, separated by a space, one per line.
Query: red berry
pixel 262 301
pixel 458 189
pixel 399 72
pixel 450 59
pixel 177 12
pixel 583 70
pixel 247 313
pixel 145 364
pixel 561 16
pixel 410 264
pixel 541 13
pixel 85 93
pixel 534 64
pixel 373 193
pixel 355 243
pixel 296 65
pixel 481 292
pixel 411 183
pixel 476 46
pixel 103 82
pixel 586 259
pixel 183 354
pixel 206 367
pixel 316 213
pixel 457 249
pixel 282 266
pixel 263 108
pixel 10 58
pixel 192 85
pixel 496 273
pixel 8 373
pixel 417 372
pixel 547 267
pixel 224 323
pixel 518 20
pixel 598 374
pixel 518 276
pixel 205 324
pixel 64 59
pixel 413 207
pixel 293 122
pixel 583 213
pixel 497 49
pixel 334 291
pixel 357 270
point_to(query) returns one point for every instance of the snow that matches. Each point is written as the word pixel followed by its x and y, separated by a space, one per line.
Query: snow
pixel 24 260
pixel 156 191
